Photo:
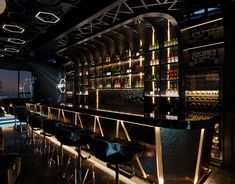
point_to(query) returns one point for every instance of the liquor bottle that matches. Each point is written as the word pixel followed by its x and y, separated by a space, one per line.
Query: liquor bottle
pixel 172 57
pixel 210 33
pixel 211 57
pixel 176 57
pixel 206 33
pixel 157 60
pixel 201 35
pixel 191 38
pixel 201 60
pixel 168 74
pixel 108 59
pixel 137 83
pixel 216 59
pixel 126 83
pixel 175 74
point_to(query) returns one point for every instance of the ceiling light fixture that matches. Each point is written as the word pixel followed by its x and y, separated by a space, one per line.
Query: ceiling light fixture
pixel 1 55
pixel 2 6
pixel 13 28
pixel 9 49
pixel 47 17
pixel 16 41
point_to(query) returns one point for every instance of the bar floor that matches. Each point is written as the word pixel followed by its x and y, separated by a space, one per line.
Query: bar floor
pixel 36 170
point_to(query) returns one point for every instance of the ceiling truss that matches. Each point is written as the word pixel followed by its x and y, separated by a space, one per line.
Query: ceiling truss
pixel 107 17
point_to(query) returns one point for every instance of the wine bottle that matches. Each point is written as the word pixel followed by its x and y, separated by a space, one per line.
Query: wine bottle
pixel 216 59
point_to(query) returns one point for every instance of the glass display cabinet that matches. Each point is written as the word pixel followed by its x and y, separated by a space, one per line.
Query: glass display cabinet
pixel 204 54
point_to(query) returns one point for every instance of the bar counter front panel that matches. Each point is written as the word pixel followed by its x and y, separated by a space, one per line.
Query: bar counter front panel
pixel 176 150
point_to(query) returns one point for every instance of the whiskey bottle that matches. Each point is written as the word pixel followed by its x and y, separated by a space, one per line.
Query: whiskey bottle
pixel 216 59
pixel 168 74
pixel 176 57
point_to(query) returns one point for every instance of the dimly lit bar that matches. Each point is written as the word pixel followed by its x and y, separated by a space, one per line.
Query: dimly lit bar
pixel 117 92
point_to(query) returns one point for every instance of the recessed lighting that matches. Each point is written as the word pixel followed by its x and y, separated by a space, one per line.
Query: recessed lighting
pixel 9 49
pixel 47 17
pixel 1 55
pixel 13 28
pixel 16 41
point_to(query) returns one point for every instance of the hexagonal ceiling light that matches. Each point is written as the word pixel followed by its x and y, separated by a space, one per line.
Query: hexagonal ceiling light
pixel 47 17
pixel 13 28
pixel 16 41
pixel 10 49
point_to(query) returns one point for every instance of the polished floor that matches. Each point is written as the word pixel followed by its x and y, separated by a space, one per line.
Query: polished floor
pixel 37 168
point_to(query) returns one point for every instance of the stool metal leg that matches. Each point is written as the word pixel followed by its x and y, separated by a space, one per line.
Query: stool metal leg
pixel 117 174
pixel 79 166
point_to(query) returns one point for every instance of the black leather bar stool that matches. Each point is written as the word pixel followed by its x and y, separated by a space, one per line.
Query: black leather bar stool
pixel 49 127
pixel 115 151
pixel 10 167
pixel 76 136
pixel 22 115
pixel 35 122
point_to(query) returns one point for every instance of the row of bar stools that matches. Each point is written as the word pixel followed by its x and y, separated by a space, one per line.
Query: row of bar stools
pixel 115 151
pixel 72 135
pixel 110 150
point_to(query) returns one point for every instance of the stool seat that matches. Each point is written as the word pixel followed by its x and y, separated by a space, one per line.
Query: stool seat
pixel 73 135
pixel 35 121
pixel 115 150
pixel 50 126
pixel 22 115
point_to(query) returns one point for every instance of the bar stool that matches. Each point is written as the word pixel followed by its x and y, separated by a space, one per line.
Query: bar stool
pixel 115 151
pixel 35 122
pixel 49 127
pixel 72 135
pixel 22 116
pixel 10 166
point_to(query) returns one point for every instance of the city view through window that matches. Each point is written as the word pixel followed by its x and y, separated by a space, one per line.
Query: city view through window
pixel 14 84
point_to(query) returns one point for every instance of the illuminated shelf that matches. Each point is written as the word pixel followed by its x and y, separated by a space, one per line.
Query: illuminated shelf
pixel 201 24
pixel 162 47
pixel 83 93
pixel 117 76
pixel 148 95
pixel 69 93
pixel 121 88
pixel 169 95
pixel 202 93
pixel 169 79
pixel 162 95
pixel 203 46
pixel 115 63
pixel 167 63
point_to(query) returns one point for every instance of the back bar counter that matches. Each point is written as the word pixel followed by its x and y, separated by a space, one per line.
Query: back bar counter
pixel 177 147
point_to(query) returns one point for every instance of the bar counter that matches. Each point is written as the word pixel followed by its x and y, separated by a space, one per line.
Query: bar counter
pixel 177 147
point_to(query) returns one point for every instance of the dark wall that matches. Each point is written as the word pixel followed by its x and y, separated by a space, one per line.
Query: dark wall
pixel 229 90
pixel 47 78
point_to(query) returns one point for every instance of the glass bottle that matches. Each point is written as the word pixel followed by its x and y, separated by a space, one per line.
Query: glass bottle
pixel 216 59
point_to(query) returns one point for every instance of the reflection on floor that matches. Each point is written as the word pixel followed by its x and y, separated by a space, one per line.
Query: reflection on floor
pixel 35 168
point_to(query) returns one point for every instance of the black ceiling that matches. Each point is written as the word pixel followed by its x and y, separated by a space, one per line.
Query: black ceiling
pixel 79 19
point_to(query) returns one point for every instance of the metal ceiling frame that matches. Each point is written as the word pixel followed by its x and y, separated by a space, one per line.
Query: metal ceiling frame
pixel 107 17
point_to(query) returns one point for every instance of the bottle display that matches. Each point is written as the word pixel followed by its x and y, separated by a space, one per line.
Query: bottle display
pixel 162 75
pixel 203 53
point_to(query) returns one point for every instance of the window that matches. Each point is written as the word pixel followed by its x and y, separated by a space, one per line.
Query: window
pixel 16 84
